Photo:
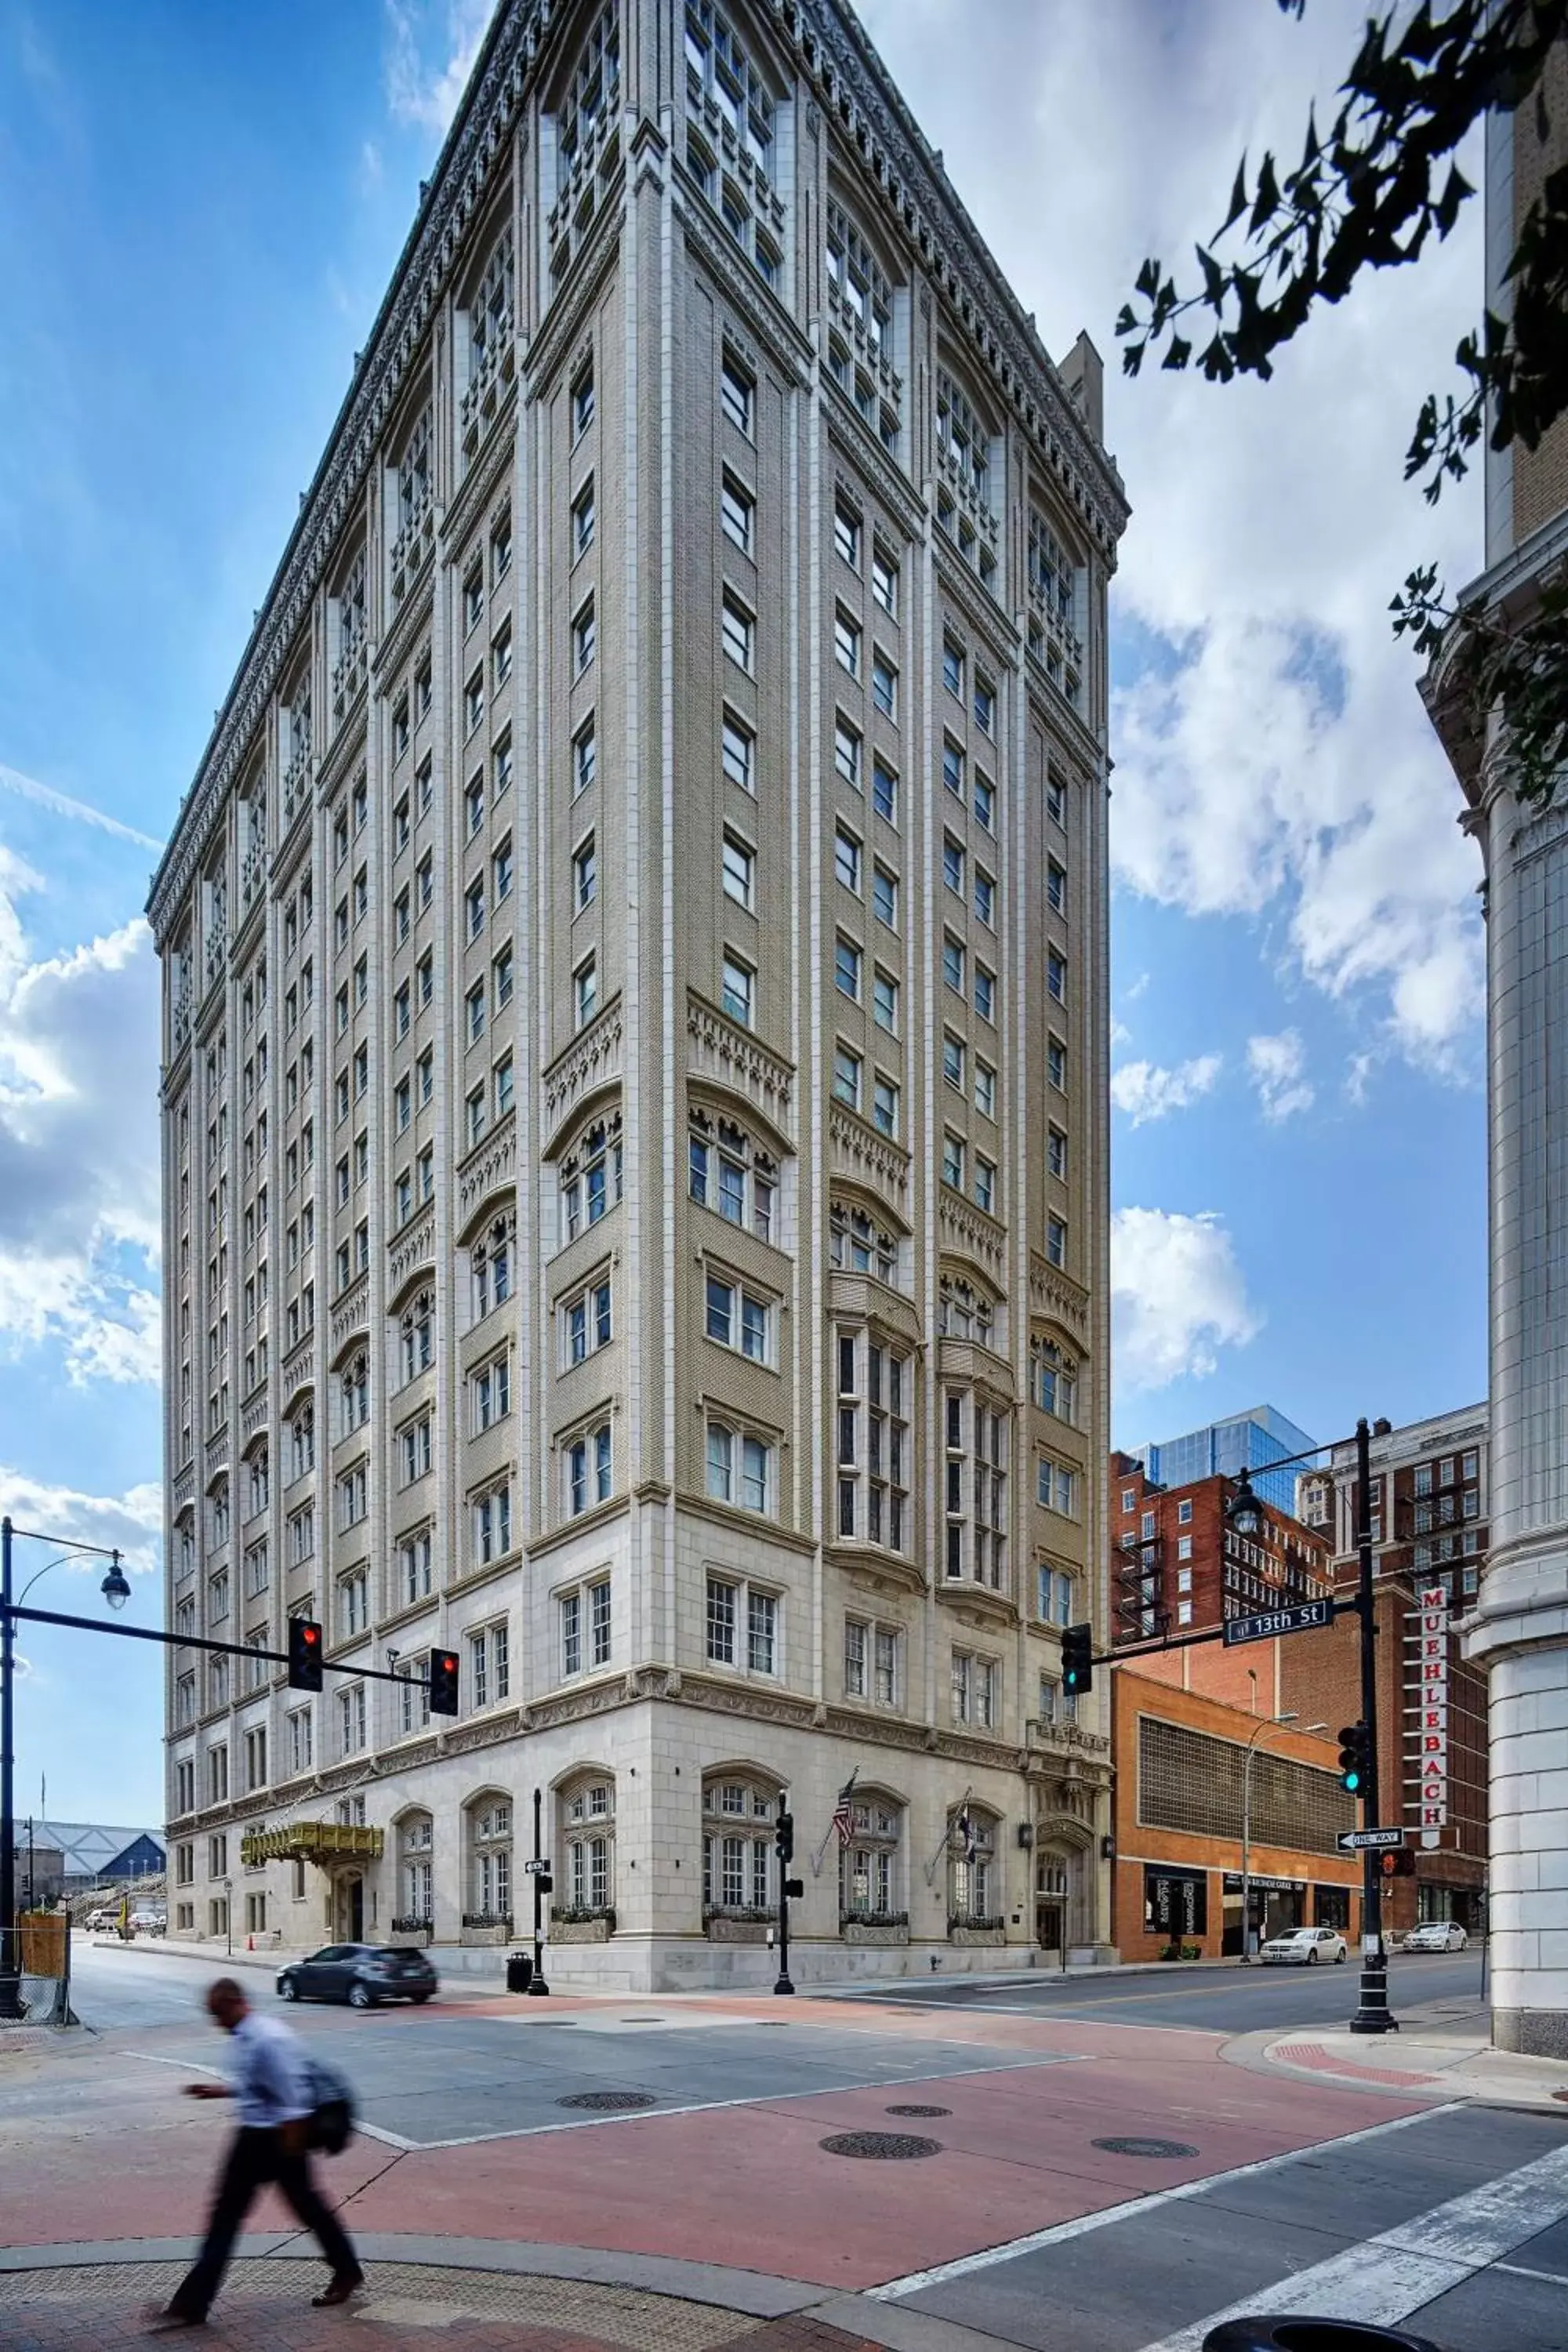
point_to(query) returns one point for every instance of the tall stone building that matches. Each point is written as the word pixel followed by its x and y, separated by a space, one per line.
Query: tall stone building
pixel 1518 1628
pixel 636 1045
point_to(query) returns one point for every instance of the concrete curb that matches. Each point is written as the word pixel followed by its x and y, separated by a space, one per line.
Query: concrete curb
pixel 753 2294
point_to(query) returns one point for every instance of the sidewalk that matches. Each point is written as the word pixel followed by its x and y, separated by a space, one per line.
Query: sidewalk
pixel 1450 2055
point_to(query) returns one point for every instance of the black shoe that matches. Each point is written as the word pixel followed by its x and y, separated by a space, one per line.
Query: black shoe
pixel 339 2290
pixel 164 2323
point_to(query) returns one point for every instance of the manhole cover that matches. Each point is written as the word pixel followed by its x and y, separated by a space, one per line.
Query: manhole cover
pixel 1145 2147
pixel 892 2148
pixel 609 2103
pixel 912 2110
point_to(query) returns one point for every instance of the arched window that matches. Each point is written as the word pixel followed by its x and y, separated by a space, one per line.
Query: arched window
pixel 302 1441
pixel 415 1840
pixel 871 1879
pixel 493 1261
pixel 861 1243
pixel 726 1171
pixel 354 1392
pixel 417 1335
pixel 973 1877
pixel 738 1873
pixel 964 1311
pixel 591 1177
pixel 488 1829
pixel 257 1481
pixel 218 1510
pixel 1053 1379
pixel 586 1887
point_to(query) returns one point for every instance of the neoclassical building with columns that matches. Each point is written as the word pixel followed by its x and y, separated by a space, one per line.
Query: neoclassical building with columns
pixel 635 1063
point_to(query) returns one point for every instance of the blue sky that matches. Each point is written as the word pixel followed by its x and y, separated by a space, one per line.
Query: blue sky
pixel 199 209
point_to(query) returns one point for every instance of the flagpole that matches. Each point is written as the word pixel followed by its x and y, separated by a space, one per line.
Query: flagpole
pixel 947 1836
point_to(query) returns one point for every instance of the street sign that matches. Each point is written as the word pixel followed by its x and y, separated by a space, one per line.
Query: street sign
pixel 1370 1841
pixel 1278 1621
pixel 538 1868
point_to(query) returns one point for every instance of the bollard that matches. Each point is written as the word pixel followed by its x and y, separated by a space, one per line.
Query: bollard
pixel 1301 2333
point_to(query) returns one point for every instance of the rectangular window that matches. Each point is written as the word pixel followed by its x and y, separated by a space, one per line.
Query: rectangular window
pixel 736 990
pixel 846 641
pixel 1056 976
pixel 985 897
pixel 885 896
pixel 985 704
pixel 583 519
pixel 847 859
pixel 847 534
pixel 885 580
pixel 884 686
pixel 583 402
pixel 847 754
pixel 984 1183
pixel 585 875
pixel 585 639
pixel 584 757
pixel 737 510
pixel 885 1001
pixel 984 1088
pixel 737 391
pixel 984 802
pixel 1057 1153
pixel 1056 1241
pixel 846 1076
pixel 953 667
pixel 738 632
pixel 984 993
pixel 846 962
pixel 738 746
pixel 953 768
pixel 884 1105
pixel 586 987
pixel 738 868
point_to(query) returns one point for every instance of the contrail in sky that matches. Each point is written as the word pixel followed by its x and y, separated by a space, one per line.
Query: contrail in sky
pixel 27 788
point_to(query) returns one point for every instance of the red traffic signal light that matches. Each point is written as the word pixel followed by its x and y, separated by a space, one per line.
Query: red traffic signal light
pixel 304 1653
pixel 443 1682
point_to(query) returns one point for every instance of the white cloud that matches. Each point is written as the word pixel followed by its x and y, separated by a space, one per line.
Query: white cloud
pixel 1273 761
pixel 78 1146
pixel 426 89
pixel 1144 1091
pixel 1177 1296
pixel 132 1523
pixel 1277 1066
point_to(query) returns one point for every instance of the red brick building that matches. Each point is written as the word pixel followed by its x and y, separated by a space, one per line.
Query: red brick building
pixel 1179 1568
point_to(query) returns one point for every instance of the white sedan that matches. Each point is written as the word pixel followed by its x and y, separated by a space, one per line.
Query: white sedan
pixel 1305 1946
pixel 1436 1936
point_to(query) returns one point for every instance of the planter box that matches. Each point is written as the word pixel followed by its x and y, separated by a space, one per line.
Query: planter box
pixel 736 1931
pixel 486 1939
pixel 579 1931
pixel 871 1931
pixel 407 1940
pixel 993 1938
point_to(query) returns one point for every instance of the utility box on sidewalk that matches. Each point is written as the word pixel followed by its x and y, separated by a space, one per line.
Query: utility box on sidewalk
pixel 44 1943
pixel 519 1972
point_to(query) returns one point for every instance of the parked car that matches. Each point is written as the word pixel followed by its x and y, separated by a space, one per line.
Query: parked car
pixel 1305 1946
pixel 1436 1936
pixel 361 1974
pixel 148 1923
pixel 99 1922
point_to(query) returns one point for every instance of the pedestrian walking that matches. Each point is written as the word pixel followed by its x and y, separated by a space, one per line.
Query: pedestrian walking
pixel 269 2080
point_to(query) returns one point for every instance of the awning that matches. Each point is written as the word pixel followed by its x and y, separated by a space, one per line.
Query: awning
pixel 321 1841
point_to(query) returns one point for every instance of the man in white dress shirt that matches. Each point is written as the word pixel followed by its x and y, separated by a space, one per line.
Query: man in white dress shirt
pixel 268 2079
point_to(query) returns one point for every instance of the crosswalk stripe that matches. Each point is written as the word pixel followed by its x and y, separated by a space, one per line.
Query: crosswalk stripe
pixel 1384 2279
pixel 1106 2217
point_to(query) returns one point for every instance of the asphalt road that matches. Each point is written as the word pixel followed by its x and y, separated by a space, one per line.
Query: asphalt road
pixel 113 1988
pixel 1219 2000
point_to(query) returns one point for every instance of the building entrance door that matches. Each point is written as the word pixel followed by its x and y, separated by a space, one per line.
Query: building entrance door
pixel 1051 1897
pixel 348 1925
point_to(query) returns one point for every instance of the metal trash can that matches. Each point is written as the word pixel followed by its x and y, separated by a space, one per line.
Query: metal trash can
pixel 519 1971
pixel 1301 2333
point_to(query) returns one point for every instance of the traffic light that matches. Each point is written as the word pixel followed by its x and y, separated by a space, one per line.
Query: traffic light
pixel 1078 1659
pixel 783 1838
pixel 443 1682
pixel 304 1654
pixel 1352 1758
pixel 1400 1864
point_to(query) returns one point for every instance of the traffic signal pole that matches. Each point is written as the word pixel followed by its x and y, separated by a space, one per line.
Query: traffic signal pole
pixel 784 1846
pixel 1372 2016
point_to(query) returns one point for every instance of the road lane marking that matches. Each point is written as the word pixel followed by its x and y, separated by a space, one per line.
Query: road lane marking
pixel 761 2099
pixel 1135 2208
pixel 1385 2279
pixel 194 2066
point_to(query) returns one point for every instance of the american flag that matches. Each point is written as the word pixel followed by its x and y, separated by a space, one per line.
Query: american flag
pixel 843 1819
pixel 966 1829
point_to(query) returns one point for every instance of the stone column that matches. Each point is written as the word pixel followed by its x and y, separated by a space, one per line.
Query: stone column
pixel 1519 1627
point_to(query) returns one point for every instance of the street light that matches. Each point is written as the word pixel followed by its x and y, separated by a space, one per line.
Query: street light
pixel 1244 1509
pixel 116 1592
pixel 1270 1723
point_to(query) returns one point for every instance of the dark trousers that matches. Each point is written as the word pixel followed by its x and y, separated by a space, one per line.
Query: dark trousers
pixel 256 2157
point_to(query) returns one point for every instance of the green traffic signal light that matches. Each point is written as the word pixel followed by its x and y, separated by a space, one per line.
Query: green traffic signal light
pixel 1353 1757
